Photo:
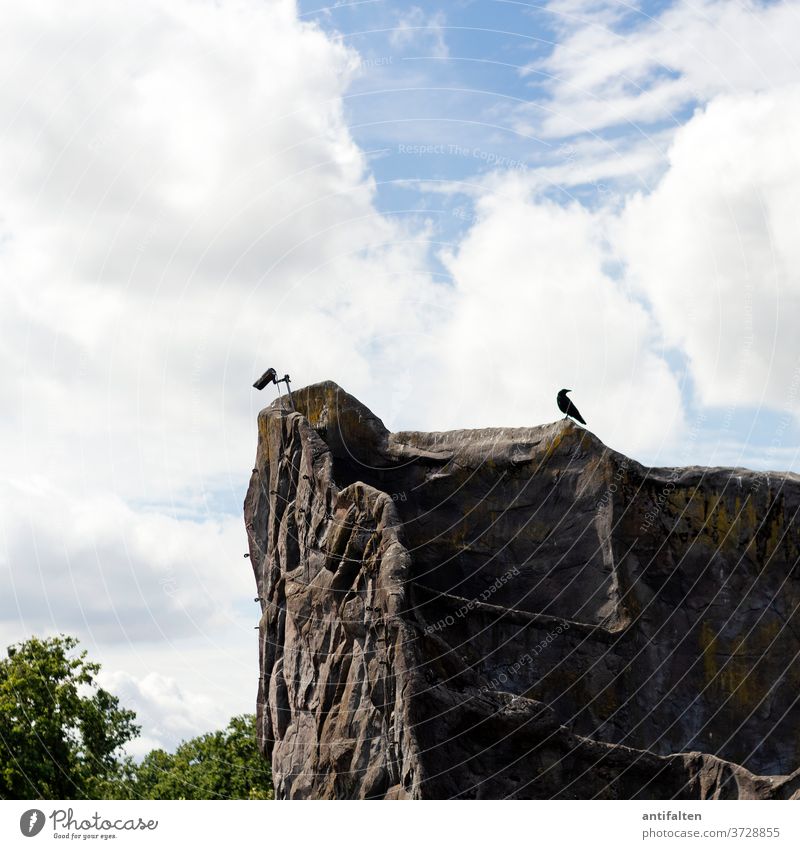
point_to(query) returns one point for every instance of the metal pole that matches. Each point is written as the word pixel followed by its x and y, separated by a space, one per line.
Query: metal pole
pixel 289 391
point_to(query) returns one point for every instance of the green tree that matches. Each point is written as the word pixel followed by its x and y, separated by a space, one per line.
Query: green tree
pixel 219 765
pixel 60 733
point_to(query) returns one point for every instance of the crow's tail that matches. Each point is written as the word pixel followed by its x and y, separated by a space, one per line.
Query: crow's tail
pixel 573 411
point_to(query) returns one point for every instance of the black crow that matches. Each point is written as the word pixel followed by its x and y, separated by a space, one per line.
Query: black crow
pixel 268 377
pixel 567 407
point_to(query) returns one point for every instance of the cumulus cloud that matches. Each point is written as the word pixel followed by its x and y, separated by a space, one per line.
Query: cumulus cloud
pixel 714 249
pixel 166 711
pixel 704 265
pixel 692 213
pixel 175 222
pixel 535 309
pixel 98 567
pixel 183 205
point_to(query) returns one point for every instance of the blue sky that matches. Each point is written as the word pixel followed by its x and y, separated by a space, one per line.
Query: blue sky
pixel 454 82
pixel 437 104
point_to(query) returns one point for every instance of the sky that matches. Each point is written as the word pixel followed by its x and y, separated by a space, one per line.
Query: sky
pixel 451 209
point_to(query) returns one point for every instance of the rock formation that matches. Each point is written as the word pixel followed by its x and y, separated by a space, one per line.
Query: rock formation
pixel 517 613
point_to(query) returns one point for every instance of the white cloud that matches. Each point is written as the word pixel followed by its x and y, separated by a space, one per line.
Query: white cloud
pixel 96 566
pixel 167 713
pixel 425 31
pixel 535 310
pixel 183 203
pixel 614 65
pixel 696 217
pixel 714 248
pixel 710 250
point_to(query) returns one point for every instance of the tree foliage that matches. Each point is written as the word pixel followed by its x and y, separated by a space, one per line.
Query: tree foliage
pixel 60 733
pixel 62 737
pixel 219 765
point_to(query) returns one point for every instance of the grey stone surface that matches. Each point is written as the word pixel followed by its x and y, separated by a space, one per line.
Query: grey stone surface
pixel 517 613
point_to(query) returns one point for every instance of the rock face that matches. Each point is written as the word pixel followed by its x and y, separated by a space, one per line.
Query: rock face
pixel 517 613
